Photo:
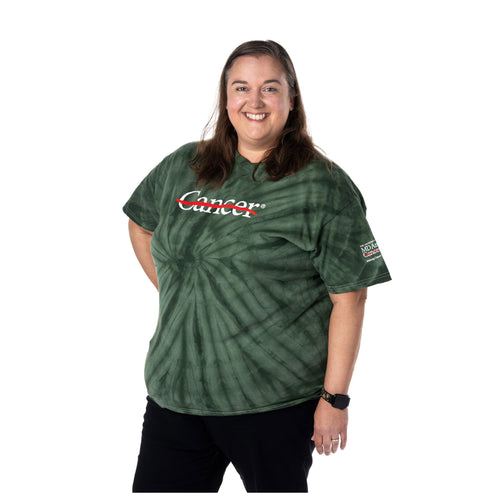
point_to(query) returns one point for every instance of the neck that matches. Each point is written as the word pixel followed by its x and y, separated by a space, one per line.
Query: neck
pixel 252 155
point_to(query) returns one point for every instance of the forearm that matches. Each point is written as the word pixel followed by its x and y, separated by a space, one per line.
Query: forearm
pixel 344 337
pixel 141 243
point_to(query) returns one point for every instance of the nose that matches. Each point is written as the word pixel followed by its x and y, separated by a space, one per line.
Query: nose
pixel 255 100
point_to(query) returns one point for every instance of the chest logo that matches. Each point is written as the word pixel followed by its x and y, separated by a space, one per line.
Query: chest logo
pixel 188 201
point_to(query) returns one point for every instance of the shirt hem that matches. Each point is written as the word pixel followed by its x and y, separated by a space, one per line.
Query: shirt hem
pixel 131 215
pixel 224 413
pixel 356 285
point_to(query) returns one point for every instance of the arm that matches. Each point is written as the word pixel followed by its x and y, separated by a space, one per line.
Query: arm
pixel 141 242
pixel 344 336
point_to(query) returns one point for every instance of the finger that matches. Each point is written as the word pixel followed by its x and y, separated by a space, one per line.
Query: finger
pixel 318 443
pixel 327 446
pixel 335 443
pixel 343 439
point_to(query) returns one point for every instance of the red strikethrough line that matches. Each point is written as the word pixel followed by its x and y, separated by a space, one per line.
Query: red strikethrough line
pixel 203 204
pixel 371 253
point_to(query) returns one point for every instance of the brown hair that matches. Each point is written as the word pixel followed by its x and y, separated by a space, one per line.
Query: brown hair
pixel 214 158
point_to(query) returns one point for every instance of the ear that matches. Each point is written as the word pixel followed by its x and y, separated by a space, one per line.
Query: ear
pixel 292 102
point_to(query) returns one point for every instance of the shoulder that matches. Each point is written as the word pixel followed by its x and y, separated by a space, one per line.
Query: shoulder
pixel 178 160
pixel 183 154
pixel 328 184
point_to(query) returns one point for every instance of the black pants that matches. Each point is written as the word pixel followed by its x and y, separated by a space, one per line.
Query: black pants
pixel 272 451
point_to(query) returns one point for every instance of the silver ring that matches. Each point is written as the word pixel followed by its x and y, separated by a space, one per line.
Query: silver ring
pixel 335 440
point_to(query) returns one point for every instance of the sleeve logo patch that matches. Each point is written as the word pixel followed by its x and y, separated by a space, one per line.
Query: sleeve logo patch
pixel 370 251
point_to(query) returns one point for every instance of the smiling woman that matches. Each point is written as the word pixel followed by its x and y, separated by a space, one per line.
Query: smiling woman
pixel 260 115
pixel 250 237
pixel 257 110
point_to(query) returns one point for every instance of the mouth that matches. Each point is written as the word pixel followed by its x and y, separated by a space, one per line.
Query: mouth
pixel 257 118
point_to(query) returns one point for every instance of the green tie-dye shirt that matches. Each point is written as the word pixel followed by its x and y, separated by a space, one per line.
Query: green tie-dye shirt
pixel 244 273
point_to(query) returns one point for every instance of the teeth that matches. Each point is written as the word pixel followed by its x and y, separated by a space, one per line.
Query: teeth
pixel 256 117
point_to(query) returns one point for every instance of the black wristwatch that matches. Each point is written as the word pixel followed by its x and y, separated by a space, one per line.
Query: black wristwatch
pixel 340 401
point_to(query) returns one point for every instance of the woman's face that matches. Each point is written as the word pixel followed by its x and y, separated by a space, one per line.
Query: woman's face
pixel 258 102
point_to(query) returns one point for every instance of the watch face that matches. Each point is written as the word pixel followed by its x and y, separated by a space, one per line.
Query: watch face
pixel 341 402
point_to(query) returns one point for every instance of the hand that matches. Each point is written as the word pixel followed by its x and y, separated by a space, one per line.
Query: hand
pixel 329 423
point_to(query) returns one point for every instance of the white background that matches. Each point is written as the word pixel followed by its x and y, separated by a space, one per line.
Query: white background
pixel 402 94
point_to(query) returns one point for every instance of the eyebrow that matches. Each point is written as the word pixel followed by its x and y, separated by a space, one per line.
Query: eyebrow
pixel 265 83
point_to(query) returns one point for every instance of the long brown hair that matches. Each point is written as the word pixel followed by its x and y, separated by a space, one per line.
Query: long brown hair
pixel 214 158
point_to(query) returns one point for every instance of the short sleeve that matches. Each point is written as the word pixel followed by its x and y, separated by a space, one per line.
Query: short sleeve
pixel 142 206
pixel 347 256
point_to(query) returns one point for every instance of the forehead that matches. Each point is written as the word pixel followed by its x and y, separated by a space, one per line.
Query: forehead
pixel 255 67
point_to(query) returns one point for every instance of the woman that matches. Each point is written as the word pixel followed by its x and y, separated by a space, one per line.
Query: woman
pixel 254 234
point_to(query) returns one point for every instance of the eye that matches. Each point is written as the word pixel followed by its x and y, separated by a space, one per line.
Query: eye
pixel 241 89
pixel 270 90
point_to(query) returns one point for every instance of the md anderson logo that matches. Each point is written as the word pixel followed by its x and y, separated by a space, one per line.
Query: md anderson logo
pixel 189 201
pixel 370 250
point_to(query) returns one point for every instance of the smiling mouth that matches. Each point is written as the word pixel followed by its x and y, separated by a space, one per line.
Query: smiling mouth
pixel 257 118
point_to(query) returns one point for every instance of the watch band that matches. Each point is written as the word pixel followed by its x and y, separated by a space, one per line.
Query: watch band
pixel 340 401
